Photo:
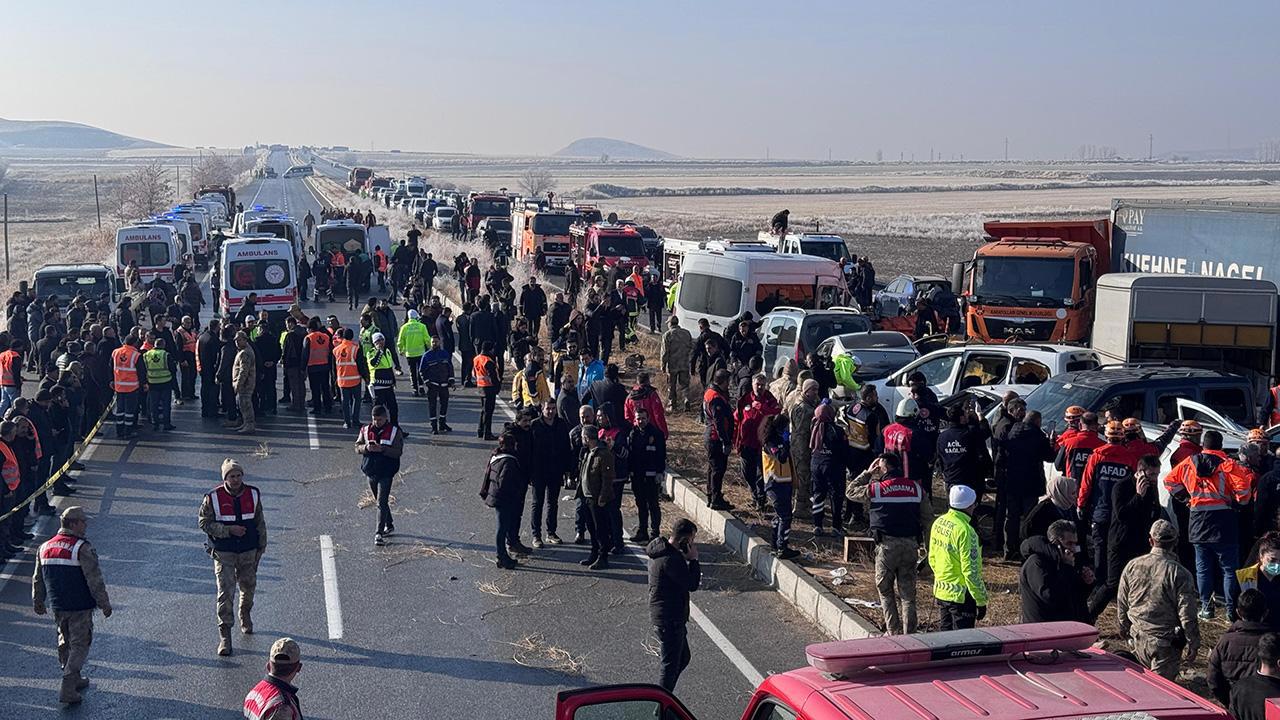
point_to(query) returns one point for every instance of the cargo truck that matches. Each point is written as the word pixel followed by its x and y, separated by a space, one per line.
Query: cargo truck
pixel 1217 323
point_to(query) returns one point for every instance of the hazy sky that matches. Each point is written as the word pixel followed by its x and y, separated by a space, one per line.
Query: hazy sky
pixel 700 78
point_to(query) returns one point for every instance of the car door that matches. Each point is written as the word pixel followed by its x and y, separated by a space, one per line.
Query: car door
pixel 620 702
pixel 980 369
pixel 939 371
pixel 889 301
pixel 1209 418
pixel 779 342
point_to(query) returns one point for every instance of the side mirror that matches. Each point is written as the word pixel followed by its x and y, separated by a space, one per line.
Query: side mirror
pixel 957 278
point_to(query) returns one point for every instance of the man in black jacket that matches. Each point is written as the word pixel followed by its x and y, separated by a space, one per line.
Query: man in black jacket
pixel 1052 587
pixel 533 304
pixel 552 458
pixel 295 367
pixel 208 348
pixel 673 574
pixel 266 348
pixel 466 344
pixel 608 393
pixel 558 317
pixel 648 465
pixel 1026 449
pixel 1236 653
pixel 1249 696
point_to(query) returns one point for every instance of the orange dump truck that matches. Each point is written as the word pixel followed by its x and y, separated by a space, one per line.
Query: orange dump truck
pixel 1034 281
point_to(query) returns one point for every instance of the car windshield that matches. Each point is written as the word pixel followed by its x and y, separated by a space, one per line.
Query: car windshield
pixel 1055 395
pixel 147 254
pixel 879 364
pixel 823 248
pixel 259 274
pixel 816 329
pixel 552 224
pixel 444 212
pixel 67 286
pixel 621 246
pixel 490 208
pixel 1016 281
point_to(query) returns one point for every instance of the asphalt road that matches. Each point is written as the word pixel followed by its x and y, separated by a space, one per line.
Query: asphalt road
pixel 425 622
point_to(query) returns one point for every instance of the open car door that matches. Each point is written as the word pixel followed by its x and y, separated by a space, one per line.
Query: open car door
pixel 1208 417
pixel 620 702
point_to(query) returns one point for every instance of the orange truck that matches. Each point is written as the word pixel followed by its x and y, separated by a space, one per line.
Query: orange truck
pixel 1034 281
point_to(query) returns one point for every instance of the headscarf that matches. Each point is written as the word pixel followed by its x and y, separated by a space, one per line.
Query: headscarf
pixel 1061 491
pixel 822 416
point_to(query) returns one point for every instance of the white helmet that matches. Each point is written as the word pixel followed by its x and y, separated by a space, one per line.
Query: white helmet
pixel 907 407
pixel 857 361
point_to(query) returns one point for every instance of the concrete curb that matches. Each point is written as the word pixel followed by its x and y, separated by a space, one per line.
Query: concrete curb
pixel 810 597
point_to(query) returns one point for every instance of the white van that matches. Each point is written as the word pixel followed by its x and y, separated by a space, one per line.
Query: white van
pixel 281 226
pixel 825 245
pixel 721 285
pixel 197 234
pixel 153 246
pixel 256 211
pixel 262 265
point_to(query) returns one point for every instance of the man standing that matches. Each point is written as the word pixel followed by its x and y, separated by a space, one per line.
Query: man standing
pixel 1249 696
pixel 208 348
pixel 485 369
pixel 275 697
pixel 673 574
pixel 295 368
pixel 10 375
pixel 801 421
pixel 1051 586
pixel 412 341
pixel 244 378
pixel 231 515
pixel 674 351
pixel 436 369
pixel 127 382
pixel 719 438
pixel 188 344
pixel 1156 605
pixel 351 369
pixel 533 304
pixel 382 377
pixel 595 490
pixel 648 466
pixel 1106 466
pixel 955 555
pixel 161 369
pixel 381 444
pixel 67 579
pixel 899 515
pixel 318 355
pixel 552 457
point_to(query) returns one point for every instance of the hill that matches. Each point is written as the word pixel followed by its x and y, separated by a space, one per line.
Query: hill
pixel 595 147
pixel 59 135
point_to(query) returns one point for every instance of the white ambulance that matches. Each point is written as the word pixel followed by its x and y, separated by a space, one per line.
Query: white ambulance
pixel 262 265
pixel 154 247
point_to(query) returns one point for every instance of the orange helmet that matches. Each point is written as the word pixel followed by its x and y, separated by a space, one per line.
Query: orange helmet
pixel 1114 430
pixel 1131 426
pixel 1189 428
pixel 1256 435
pixel 1075 412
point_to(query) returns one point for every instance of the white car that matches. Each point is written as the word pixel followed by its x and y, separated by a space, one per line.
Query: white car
pixel 443 217
pixel 998 367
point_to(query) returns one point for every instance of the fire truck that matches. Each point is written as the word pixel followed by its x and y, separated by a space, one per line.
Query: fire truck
pixel 534 228
pixel 619 248
pixel 484 205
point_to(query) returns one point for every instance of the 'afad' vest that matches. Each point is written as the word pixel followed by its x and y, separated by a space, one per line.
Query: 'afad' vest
pixel 239 510
pixel 59 560
pixel 895 506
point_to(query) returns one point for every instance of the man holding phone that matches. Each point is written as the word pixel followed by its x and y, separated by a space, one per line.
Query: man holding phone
pixel 673 574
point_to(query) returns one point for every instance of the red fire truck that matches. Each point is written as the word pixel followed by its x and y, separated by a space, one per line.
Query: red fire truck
pixel 619 248
pixel 483 205
pixel 1042 671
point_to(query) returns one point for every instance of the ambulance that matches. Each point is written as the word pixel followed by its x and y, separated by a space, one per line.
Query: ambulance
pixel 1037 671
pixel 262 265
pixel 155 248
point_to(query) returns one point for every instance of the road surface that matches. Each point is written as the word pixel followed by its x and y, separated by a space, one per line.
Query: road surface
pixel 425 626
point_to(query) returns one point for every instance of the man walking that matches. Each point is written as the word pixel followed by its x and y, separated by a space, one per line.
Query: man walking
pixel 673 574
pixel 275 697
pixel 674 351
pixel 381 444
pixel 485 369
pixel 67 580
pixel 231 515
pixel 1156 605
pixel 955 555
pixel 412 342
pixel 436 370
pixel 719 438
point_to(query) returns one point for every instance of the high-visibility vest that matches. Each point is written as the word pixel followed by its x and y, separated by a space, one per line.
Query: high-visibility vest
pixel 9 470
pixel 59 559
pixel 265 700
pixel 478 368
pixel 344 359
pixel 10 368
pixel 157 362
pixel 382 260
pixel 187 338
pixel 124 362
pixel 338 259
pixel 1275 406
pixel 319 351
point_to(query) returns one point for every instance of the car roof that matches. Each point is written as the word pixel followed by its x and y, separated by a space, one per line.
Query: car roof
pixel 794 311
pixel 68 268
pixel 1108 376
pixel 874 340
pixel 923 278
pixel 1023 349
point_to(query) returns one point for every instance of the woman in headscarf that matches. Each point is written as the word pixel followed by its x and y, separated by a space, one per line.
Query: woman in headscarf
pixel 829 453
pixel 1058 503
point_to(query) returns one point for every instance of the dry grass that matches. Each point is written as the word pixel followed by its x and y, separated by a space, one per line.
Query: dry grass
pixel 535 652
pixel 492 588
pixel 367 500
pixel 419 551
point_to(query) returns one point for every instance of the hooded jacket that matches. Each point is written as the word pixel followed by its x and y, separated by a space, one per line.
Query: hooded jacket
pixel 1051 590
pixel 502 485
pixel 750 414
pixel 671 579
pixel 645 396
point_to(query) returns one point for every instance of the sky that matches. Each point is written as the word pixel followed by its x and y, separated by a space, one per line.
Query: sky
pixel 709 78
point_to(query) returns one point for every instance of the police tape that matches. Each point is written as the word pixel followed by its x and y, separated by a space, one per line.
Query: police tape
pixel 55 477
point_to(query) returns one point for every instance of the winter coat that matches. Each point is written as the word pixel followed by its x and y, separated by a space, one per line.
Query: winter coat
pixel 671 579
pixel 503 484
pixel 648 451
pixel 750 414
pixel 1234 657
pixel 244 376
pixel 611 396
pixel 529 387
pixel 551 452
pixel 1025 451
pixel 595 475
pixel 675 350
pixel 645 396
pixel 1051 590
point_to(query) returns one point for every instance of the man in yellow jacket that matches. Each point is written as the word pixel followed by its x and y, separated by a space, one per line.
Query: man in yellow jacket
pixel 412 342
pixel 955 555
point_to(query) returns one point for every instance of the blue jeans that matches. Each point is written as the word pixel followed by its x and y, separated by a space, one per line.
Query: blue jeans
pixel 508 524
pixel 351 405
pixel 161 397
pixel 1219 556
pixel 7 396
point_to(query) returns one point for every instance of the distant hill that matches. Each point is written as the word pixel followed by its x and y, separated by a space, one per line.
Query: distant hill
pixel 59 135
pixel 595 147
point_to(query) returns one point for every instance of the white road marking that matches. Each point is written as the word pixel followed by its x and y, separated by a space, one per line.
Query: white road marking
pixel 312 190
pixel 332 603
pixel 261 183
pixel 311 432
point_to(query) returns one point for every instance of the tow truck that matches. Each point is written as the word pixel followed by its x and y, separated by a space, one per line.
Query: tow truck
pixel 1039 671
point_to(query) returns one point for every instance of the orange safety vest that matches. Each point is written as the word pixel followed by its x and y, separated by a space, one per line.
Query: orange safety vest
pixel 1229 485
pixel 187 339
pixel 125 364
pixel 1275 406
pixel 344 358
pixel 10 368
pixel 9 467
pixel 478 367
pixel 382 260
pixel 319 353
pixel 338 259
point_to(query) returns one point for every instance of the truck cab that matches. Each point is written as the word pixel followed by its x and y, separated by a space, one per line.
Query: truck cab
pixel 1034 281
pixel 545 229
pixel 485 205
pixel 1042 671
pixel 824 245
pixel 619 248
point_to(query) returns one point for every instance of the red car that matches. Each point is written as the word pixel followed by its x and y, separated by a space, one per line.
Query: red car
pixel 1044 671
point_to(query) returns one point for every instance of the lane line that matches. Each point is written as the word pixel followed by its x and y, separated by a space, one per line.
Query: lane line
pixel 262 182
pixel 332 603
pixel 312 434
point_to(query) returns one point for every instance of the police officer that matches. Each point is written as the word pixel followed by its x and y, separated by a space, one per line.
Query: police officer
pixel 161 369
pixel 382 376
pixel 68 580
pixel 275 697
pixel 955 556
pixel 231 515
pixel 899 515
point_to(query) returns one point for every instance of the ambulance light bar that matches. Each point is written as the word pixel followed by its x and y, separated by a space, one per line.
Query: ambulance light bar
pixel 846 657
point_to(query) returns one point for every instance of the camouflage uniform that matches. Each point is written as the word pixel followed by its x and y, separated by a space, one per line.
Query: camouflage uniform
pixel 675 350
pixel 75 627
pixel 1157 597
pixel 232 568
pixel 801 417
pixel 896 561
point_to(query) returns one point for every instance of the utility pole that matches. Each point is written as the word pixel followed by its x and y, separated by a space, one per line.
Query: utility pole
pixel 6 237
pixel 96 202
pixel 1006 149
pixel 766 152
pixel 828 154
pixel 1151 142
pixel 177 185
